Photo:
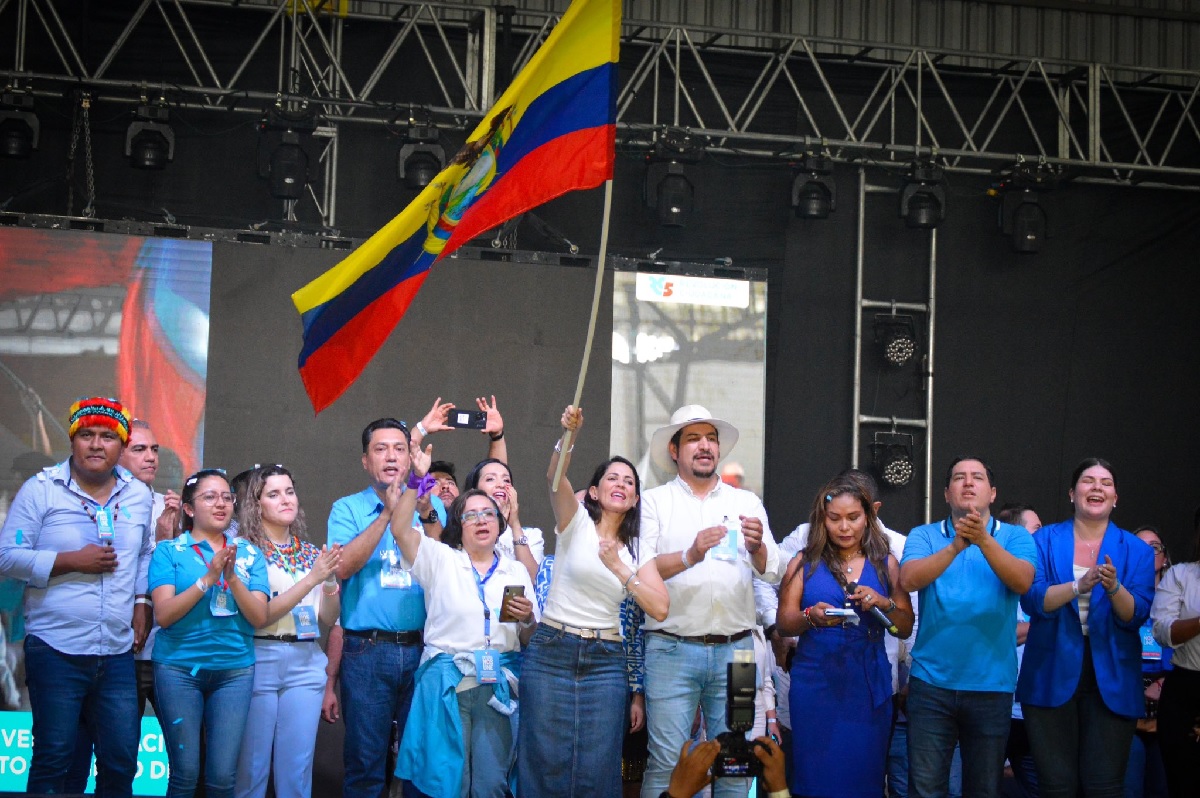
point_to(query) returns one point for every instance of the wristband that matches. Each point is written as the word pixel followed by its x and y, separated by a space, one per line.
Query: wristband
pixel 143 600
pixel 495 436
pixel 1075 587
pixel 807 617
pixel 632 576
pixel 558 447
pixel 421 485
pixel 1116 589
pixel 202 585
pixel 779 794
pixel 683 556
pixel 521 541
pixel 421 429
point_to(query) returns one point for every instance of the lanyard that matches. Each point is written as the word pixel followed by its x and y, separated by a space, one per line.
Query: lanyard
pixel 487 614
pixel 200 554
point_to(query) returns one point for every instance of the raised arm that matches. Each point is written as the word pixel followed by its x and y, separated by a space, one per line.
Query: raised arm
pixel 562 496
pixel 403 504
pixel 494 429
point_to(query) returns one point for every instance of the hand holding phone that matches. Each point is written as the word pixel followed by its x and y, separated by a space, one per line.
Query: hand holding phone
pixel 506 613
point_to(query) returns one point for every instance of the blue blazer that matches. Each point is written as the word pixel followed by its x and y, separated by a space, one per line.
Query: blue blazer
pixel 1053 657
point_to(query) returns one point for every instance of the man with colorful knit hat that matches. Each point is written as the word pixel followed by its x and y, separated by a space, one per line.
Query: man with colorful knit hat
pixel 79 535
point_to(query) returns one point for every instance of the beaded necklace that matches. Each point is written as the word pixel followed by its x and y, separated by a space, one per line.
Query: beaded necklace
pixel 293 557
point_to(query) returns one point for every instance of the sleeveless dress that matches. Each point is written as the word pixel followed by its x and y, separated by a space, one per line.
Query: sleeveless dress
pixel 840 700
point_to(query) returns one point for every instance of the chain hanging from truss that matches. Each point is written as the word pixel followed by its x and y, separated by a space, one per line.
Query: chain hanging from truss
pixel 82 121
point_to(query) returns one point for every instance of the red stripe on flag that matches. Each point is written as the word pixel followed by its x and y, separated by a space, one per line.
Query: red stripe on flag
pixel 330 370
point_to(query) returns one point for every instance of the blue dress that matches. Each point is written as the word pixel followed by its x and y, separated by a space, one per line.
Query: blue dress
pixel 841 699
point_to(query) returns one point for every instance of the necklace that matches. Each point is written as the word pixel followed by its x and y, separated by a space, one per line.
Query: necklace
pixel 849 561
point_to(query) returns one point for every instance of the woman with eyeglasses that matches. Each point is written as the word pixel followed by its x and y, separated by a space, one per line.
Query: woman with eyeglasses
pixel 210 593
pixel 289 668
pixel 461 729
pixel 1080 685
pixel 574 687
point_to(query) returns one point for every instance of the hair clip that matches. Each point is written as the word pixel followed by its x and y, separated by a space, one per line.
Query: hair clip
pixel 828 497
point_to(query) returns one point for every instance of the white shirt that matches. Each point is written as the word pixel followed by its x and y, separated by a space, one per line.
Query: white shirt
pixel 453 612
pixel 584 592
pixel 713 596
pixel 537 543
pixel 281 582
pixel 1178 598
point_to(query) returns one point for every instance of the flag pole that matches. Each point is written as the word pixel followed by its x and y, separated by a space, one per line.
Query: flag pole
pixel 565 445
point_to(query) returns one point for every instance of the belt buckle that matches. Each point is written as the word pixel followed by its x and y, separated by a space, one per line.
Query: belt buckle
pixel 589 634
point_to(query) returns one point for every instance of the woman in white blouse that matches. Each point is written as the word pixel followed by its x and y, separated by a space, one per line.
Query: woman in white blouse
pixel 1176 617
pixel 573 676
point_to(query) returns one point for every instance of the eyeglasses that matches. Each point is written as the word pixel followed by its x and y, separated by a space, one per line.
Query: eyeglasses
pixel 479 516
pixel 1158 548
pixel 210 498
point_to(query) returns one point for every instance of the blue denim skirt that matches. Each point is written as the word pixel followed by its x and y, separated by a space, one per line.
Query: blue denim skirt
pixel 574 711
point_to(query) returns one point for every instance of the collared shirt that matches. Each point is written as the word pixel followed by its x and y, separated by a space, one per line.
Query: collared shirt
pixel 968 634
pixel 713 596
pixel 77 613
pixel 1178 598
pixel 366 603
pixel 199 638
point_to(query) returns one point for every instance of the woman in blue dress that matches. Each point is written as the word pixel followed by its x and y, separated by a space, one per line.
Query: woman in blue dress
pixel 841 694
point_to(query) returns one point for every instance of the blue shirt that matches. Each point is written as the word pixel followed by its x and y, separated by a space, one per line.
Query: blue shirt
pixel 77 613
pixel 199 638
pixel 967 639
pixel 366 603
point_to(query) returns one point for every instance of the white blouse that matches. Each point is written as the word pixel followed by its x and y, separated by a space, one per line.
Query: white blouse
pixel 1178 598
pixel 584 592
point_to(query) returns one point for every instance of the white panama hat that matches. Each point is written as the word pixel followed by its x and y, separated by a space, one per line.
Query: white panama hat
pixel 689 414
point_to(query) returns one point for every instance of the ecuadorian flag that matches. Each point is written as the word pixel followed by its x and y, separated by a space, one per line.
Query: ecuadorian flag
pixel 551 132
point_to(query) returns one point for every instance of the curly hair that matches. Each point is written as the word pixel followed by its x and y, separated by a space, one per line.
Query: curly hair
pixel 249 512
pixel 820 547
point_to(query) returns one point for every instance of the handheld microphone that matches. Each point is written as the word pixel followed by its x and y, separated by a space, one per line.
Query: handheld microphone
pixel 877 613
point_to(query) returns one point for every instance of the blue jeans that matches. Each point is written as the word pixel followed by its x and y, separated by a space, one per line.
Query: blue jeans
pixel 679 677
pixel 285 708
pixel 897 765
pixel 938 718
pixel 102 690
pixel 574 705
pixel 377 686
pixel 488 739
pixel 1145 776
pixel 218 701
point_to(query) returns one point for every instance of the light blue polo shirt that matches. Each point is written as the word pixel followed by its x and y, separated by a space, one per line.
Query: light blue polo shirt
pixel 967 638
pixel 200 639
pixel 366 603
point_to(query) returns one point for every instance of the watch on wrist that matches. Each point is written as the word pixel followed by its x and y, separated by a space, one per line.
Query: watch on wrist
pixel 521 541
pixel 432 518
pixel 496 435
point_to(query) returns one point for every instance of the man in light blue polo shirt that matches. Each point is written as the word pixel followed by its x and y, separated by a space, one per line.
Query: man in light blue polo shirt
pixel 383 613
pixel 969 570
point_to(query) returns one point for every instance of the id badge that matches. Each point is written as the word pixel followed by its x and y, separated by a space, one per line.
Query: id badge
pixel 391 575
pixel 104 525
pixel 487 665
pixel 727 549
pixel 221 603
pixel 304 616
pixel 1151 649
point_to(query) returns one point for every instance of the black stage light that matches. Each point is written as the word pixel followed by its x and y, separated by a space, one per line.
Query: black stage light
pixel 1023 217
pixel 421 157
pixel 814 194
pixel 288 173
pixel 896 336
pixel 19 125
pixel 923 196
pixel 891 456
pixel 669 192
pixel 150 141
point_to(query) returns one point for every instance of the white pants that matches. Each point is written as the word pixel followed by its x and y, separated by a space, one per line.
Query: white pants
pixel 285 709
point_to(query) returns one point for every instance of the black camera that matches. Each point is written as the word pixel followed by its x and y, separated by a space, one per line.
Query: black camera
pixel 467 419
pixel 736 758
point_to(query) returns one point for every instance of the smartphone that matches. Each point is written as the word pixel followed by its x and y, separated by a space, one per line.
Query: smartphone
pixel 506 615
pixel 467 419
pixel 840 612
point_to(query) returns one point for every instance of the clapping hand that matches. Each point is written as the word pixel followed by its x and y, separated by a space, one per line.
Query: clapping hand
pixel 1107 574
pixel 327 562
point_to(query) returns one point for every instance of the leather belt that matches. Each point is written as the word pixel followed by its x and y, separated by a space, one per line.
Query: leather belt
pixel 610 634
pixel 708 640
pixel 286 638
pixel 412 638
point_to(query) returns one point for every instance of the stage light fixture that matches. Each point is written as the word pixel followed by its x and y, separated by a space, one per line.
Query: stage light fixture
pixel 1022 217
pixel 150 141
pixel 891 455
pixel 670 193
pixel 896 336
pixel 288 173
pixel 19 125
pixel 814 194
pixel 923 196
pixel 421 157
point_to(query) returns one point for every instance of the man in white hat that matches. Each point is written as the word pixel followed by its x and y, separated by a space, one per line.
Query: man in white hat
pixel 710 540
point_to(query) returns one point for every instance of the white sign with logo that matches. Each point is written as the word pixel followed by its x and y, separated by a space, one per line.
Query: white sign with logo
pixel 684 290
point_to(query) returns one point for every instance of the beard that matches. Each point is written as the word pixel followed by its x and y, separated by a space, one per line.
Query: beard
pixel 704 471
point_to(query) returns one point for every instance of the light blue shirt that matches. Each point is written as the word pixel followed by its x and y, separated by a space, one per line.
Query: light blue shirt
pixel 967 639
pixel 366 603
pixel 77 613
pixel 199 638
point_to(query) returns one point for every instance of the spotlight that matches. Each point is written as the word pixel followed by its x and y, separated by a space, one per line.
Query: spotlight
pixel 19 125
pixel 814 194
pixel 891 454
pixel 670 193
pixel 421 158
pixel 288 173
pixel 150 141
pixel 1022 216
pixel 923 197
pixel 896 335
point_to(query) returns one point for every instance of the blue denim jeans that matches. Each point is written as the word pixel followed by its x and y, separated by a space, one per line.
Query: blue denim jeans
pixel 680 677
pixel 102 690
pixel 978 721
pixel 217 701
pixel 377 686
pixel 488 737
pixel 574 705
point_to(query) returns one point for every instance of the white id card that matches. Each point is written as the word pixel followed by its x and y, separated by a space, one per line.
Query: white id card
pixel 391 575
pixel 487 665
pixel 221 603
pixel 304 616
pixel 104 525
